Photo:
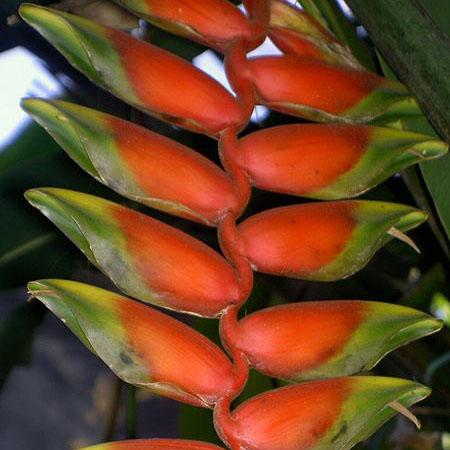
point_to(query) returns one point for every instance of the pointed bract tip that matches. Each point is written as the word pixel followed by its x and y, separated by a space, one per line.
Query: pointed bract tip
pixel 34 195
pixel 412 219
pixel 43 111
pixel 431 149
pixel 26 10
pixel 34 14
pixel 36 287
pixel 42 108
pixel 419 329
pixel 28 104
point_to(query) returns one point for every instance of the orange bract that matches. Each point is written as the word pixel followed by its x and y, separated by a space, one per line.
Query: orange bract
pixel 168 170
pixel 216 21
pixel 283 81
pixel 290 42
pixel 296 240
pixel 290 335
pixel 187 271
pixel 298 159
pixel 173 89
pixel 291 418
pixel 191 354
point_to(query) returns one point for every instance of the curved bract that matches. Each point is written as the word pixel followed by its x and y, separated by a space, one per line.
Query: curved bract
pixel 295 32
pixel 143 75
pixel 283 341
pixel 138 163
pixel 146 258
pixel 331 161
pixel 212 22
pixel 322 241
pixel 340 412
pixel 312 89
pixel 155 444
pixel 141 345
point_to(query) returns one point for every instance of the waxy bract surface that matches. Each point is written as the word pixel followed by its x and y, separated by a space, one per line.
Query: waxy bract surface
pixel 322 415
pixel 284 341
pixel 141 345
pixel 136 162
pixel 322 241
pixel 146 258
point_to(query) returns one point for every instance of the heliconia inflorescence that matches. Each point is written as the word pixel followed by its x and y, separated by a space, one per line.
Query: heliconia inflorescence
pixel 316 78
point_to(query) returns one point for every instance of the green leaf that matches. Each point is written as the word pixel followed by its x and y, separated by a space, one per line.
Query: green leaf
pixel 29 247
pixel 435 173
pixel 30 144
pixel 17 333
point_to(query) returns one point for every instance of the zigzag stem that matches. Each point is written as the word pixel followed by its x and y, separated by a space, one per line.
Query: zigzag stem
pixel 238 76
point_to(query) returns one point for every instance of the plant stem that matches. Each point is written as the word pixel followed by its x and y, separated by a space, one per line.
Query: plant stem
pixel 26 247
pixel 131 411
pixel 113 411
pixel 417 50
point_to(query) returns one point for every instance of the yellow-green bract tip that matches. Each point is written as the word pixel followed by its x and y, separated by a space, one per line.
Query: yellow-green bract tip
pixel 30 12
pixel 34 195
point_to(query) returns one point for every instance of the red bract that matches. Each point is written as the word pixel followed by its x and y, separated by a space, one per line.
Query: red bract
pixel 281 420
pixel 322 241
pixel 314 415
pixel 138 163
pixel 155 444
pixel 146 76
pixel 300 159
pixel 295 32
pixel 191 274
pixel 152 335
pixel 213 22
pixel 141 345
pixel 284 342
pixel 291 42
pixel 305 81
pixel 171 172
pixel 199 184
pixel 306 87
pixel 180 93
pixel 148 259
pixel 297 239
pixel 330 161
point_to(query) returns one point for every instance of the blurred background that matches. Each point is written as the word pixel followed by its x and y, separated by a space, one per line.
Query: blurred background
pixel 53 393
